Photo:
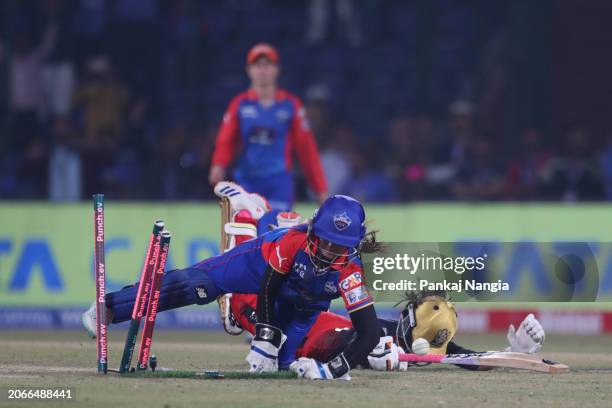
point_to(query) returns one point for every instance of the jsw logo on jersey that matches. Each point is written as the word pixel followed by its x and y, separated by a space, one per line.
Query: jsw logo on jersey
pixel 351 281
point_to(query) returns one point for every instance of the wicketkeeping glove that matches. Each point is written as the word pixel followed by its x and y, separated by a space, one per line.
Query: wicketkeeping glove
pixel 335 369
pixel 263 356
pixel 528 338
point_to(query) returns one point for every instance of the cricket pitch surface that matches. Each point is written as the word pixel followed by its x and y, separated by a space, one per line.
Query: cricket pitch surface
pixel 66 359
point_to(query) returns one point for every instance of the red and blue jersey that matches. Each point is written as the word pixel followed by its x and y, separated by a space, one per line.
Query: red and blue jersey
pixel 241 270
pixel 266 137
pixel 290 256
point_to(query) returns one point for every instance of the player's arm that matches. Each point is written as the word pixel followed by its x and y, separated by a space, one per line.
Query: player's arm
pixel 268 338
pixel 226 143
pixel 360 307
pixel 303 143
pixel 367 328
pixel 268 292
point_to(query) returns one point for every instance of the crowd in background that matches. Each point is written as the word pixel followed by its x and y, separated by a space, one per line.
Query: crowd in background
pixel 125 97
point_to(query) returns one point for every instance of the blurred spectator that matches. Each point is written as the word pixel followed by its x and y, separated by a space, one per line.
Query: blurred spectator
pixel 319 13
pixel 199 160
pixel 179 159
pixel 452 144
pixel 480 177
pixel 65 163
pixel 58 76
pixel 186 38
pixel 575 175
pixel 369 182
pixel 525 171
pixel 9 182
pixel 103 100
pixel 336 158
pixel 408 153
pixel 401 140
pixel 26 63
pixel 417 174
pixel 176 62
pixel 171 148
pixel 141 132
pixel 31 168
pixel 135 36
pixel 122 179
pixel 91 21
pixel 317 109
pixel 606 169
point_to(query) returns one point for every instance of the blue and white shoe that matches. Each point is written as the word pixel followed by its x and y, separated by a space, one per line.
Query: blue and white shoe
pixel 88 319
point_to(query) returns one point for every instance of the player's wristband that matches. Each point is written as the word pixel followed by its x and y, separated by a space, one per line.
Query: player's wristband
pixel 338 366
pixel 268 333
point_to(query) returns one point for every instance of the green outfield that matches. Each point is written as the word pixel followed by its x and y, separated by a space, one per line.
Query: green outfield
pixel 34 359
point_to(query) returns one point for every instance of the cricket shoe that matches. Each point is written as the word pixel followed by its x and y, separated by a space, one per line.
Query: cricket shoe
pixel 88 319
pixel 240 199
pixel 230 324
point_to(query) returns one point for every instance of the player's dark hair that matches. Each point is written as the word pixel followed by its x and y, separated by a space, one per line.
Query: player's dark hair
pixel 369 245
pixel 418 296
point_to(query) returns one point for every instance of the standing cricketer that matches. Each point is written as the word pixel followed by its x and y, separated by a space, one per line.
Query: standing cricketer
pixel 264 126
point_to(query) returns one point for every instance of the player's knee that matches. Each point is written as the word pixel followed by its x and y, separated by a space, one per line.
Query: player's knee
pixel 191 284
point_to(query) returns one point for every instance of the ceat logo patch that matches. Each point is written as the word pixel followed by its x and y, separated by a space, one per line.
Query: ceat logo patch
pixel 351 281
pixel 342 221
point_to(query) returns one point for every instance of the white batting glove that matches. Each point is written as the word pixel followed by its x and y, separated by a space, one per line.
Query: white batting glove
pixel 403 365
pixel 288 219
pixel 528 338
pixel 263 356
pixel 385 356
pixel 309 368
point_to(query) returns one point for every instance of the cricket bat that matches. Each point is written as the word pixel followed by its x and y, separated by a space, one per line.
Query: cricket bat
pixel 226 215
pixel 491 359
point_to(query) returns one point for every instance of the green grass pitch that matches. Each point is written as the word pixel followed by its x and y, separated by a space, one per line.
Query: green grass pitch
pixel 51 359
